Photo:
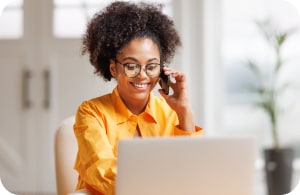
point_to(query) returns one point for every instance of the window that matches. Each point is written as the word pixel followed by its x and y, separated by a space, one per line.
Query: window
pixel 71 16
pixel 241 40
pixel 11 21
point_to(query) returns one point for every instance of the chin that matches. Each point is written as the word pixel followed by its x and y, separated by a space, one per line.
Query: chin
pixel 141 95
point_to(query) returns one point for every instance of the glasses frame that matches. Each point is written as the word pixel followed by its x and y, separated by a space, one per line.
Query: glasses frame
pixel 140 69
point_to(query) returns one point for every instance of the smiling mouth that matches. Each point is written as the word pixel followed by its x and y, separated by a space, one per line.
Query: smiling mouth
pixel 140 85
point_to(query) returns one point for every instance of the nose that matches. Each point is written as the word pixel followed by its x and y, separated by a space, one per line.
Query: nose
pixel 142 73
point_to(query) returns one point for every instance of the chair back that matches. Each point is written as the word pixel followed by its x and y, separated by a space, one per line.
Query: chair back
pixel 65 150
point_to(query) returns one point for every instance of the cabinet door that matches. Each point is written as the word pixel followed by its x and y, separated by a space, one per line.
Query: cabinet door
pixel 18 103
pixel 43 80
pixel 17 114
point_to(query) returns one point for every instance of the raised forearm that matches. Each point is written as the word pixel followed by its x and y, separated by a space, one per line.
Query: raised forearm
pixel 186 120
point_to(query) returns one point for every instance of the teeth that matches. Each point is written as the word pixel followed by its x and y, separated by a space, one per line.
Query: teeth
pixel 140 85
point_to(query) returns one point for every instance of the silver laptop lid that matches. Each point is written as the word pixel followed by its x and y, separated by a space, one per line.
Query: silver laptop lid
pixel 186 166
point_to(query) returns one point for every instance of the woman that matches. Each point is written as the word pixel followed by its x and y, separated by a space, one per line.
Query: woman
pixel 129 43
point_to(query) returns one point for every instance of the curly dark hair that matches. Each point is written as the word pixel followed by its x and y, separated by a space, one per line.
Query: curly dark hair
pixel 112 28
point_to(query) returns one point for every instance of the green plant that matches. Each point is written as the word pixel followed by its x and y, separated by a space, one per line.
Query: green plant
pixel 268 86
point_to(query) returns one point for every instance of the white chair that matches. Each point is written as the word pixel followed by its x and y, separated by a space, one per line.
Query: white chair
pixel 65 150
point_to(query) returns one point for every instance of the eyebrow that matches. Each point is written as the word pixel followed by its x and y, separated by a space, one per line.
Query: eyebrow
pixel 134 59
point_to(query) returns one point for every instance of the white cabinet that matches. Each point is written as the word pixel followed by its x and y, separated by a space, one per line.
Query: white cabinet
pixel 42 81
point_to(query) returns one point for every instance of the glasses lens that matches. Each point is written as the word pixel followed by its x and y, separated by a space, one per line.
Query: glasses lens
pixel 132 70
pixel 153 70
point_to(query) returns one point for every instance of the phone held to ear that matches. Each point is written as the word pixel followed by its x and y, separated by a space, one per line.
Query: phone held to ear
pixel 164 82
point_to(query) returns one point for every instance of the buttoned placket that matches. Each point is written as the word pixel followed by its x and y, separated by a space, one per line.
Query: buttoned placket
pixel 132 124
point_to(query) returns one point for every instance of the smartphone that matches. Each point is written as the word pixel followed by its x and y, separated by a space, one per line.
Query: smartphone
pixel 164 82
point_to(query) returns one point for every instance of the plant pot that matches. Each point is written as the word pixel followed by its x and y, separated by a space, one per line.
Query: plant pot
pixel 278 170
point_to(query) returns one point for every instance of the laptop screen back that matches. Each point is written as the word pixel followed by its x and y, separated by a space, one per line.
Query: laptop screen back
pixel 186 165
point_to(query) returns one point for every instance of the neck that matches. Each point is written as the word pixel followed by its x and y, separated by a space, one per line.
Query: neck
pixel 135 106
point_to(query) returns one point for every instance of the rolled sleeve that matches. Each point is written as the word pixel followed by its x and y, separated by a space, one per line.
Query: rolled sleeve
pixel 181 132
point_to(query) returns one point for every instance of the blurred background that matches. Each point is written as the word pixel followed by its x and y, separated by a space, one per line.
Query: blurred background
pixel 44 77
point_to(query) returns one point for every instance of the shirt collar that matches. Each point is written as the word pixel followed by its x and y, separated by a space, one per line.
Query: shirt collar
pixel 123 113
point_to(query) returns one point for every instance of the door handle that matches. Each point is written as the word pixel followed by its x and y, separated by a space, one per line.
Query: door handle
pixel 47 90
pixel 26 102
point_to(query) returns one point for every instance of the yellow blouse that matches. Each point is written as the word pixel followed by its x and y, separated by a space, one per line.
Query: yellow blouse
pixel 101 122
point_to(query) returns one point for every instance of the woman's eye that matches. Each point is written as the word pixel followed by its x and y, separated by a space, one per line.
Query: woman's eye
pixel 131 66
pixel 152 66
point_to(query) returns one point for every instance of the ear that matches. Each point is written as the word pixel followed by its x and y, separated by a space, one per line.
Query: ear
pixel 112 68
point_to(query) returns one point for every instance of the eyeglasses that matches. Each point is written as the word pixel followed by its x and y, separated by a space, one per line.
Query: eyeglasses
pixel 131 70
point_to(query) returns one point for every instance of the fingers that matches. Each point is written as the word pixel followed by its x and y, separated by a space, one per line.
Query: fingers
pixel 178 76
pixel 178 98
pixel 177 82
pixel 161 92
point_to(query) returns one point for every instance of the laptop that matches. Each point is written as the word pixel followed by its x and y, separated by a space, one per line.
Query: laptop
pixel 186 166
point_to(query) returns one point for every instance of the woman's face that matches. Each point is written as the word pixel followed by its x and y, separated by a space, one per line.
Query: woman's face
pixel 141 51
